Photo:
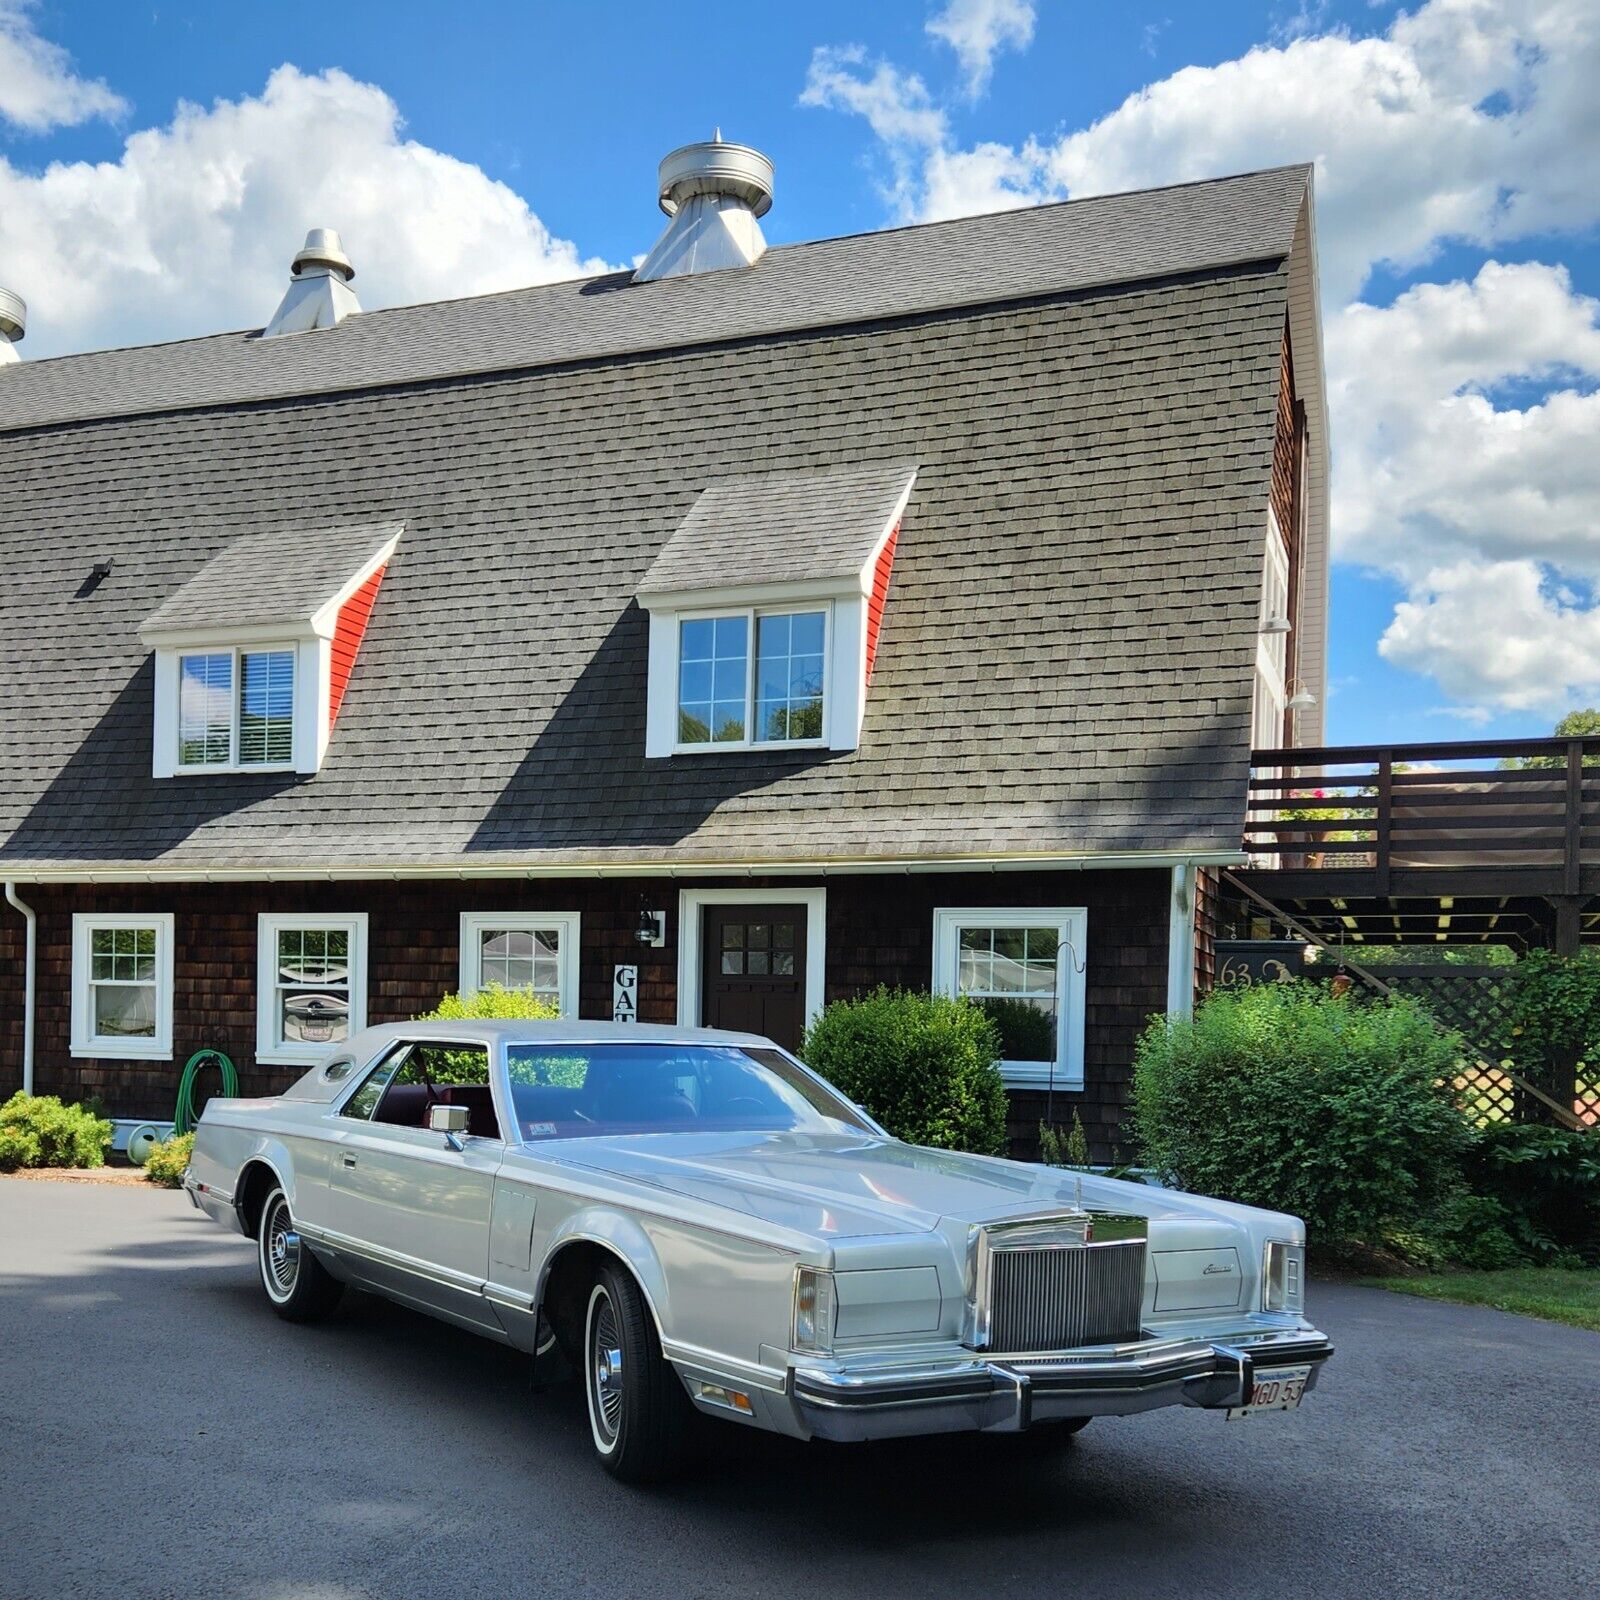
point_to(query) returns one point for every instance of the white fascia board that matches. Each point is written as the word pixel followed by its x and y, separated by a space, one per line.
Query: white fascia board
pixel 733 596
pixel 189 640
pixel 326 617
pixel 869 567
pixel 811 867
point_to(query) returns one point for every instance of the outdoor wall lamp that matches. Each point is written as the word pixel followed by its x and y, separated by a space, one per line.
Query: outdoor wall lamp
pixel 652 928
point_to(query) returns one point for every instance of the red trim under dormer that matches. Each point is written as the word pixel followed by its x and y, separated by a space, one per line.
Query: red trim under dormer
pixel 880 594
pixel 348 632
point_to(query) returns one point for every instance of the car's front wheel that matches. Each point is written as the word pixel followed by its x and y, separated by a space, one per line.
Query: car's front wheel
pixel 298 1286
pixel 638 1411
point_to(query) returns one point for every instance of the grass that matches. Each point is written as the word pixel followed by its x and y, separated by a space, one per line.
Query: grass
pixel 1554 1293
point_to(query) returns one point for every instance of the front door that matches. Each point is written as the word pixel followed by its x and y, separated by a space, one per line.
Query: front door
pixel 753 968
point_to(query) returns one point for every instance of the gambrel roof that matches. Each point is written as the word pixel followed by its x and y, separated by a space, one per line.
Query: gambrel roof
pixel 1086 391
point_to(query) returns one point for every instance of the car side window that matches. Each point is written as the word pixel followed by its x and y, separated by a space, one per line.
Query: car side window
pixel 365 1100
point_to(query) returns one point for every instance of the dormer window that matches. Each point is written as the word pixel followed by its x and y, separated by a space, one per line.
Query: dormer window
pixel 236 708
pixel 731 695
pixel 765 607
pixel 254 653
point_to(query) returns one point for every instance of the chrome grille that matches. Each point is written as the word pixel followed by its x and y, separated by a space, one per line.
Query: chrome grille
pixel 1056 1293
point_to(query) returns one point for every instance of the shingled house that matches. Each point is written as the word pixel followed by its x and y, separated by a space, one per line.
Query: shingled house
pixel 899 608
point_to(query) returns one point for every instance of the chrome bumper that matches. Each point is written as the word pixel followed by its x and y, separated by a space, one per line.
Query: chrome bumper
pixel 1009 1395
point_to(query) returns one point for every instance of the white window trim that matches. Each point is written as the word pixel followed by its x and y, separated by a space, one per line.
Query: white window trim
pixel 569 924
pixel 268 924
pixel 236 690
pixel 691 939
pixel 752 615
pixel 83 1042
pixel 1073 922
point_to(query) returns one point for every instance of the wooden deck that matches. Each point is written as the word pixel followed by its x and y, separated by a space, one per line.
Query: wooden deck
pixel 1467 842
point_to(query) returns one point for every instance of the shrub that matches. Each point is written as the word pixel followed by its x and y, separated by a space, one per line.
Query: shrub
pixel 492 1000
pixel 1546 1183
pixel 168 1160
pixel 1069 1149
pixel 1330 1107
pixel 39 1131
pixel 924 1065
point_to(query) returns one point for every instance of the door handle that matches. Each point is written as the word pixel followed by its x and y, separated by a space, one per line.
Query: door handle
pixel 349 1161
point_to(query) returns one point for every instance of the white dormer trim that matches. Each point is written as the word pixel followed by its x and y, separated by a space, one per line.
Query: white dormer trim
pixel 311 639
pixel 843 600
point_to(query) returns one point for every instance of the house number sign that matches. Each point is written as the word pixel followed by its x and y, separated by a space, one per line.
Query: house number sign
pixel 624 994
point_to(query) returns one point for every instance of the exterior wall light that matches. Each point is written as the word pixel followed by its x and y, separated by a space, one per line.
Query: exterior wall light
pixel 652 929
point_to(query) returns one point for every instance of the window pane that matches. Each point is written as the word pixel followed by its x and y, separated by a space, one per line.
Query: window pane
pixel 1011 973
pixel 789 676
pixel 205 710
pixel 266 708
pixel 124 1010
pixel 313 985
pixel 313 1017
pixel 713 672
pixel 522 958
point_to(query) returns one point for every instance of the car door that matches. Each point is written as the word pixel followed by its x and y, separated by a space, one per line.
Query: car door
pixel 401 1197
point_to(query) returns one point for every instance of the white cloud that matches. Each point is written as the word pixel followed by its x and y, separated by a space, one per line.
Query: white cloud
pixel 1467 119
pixel 192 230
pixel 978 30
pixel 1436 458
pixel 38 88
pixel 1499 635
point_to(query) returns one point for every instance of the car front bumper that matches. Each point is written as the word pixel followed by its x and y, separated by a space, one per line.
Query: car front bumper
pixel 1009 1394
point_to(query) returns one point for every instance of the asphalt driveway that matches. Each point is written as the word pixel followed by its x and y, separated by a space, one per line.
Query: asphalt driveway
pixel 162 1434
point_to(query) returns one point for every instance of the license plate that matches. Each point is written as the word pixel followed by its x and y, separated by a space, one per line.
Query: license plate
pixel 1275 1389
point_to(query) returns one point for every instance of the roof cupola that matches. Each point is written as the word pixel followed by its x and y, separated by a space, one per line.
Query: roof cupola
pixel 319 293
pixel 713 194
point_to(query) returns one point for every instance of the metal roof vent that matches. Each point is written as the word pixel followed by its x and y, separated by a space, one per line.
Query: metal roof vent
pixel 13 324
pixel 319 287
pixel 712 194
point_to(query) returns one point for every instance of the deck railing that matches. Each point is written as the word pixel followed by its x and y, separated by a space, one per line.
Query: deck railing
pixel 1511 804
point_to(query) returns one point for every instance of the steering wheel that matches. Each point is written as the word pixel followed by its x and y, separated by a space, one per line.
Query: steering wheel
pixel 747 1102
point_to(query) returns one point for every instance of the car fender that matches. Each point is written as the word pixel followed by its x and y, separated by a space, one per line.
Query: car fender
pixel 626 1239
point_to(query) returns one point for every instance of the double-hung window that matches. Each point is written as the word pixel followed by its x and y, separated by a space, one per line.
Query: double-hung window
pixel 236 708
pixel 122 986
pixel 1023 965
pixel 311 984
pixel 533 951
pixel 752 677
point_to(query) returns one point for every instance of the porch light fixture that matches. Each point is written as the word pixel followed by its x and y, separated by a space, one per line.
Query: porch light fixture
pixel 652 929
pixel 1276 625
pixel 1302 700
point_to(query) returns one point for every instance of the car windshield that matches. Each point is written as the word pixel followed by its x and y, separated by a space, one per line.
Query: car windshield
pixel 576 1091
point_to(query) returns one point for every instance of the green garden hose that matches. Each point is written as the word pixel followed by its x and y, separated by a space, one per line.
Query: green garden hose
pixel 185 1116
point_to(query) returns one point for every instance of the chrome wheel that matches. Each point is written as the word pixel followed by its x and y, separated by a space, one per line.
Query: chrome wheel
pixel 280 1250
pixel 605 1369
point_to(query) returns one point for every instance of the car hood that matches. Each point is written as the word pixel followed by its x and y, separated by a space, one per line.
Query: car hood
pixel 848 1185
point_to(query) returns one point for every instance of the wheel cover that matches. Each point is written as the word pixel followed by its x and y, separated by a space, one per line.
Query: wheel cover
pixel 280 1252
pixel 605 1368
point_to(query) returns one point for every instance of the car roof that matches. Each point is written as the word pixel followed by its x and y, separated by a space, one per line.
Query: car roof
pixel 515 1030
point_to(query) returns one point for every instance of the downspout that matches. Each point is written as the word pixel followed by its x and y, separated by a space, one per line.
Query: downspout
pixel 27 984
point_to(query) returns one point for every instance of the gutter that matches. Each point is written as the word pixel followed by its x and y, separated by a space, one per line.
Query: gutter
pixel 1042 861
pixel 32 943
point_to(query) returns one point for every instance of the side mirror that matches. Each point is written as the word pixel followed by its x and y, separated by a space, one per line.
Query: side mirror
pixel 451 1121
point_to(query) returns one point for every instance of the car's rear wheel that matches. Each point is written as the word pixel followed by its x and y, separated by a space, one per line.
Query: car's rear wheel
pixel 298 1286
pixel 638 1411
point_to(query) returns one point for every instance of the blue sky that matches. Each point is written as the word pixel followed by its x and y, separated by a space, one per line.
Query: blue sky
pixel 484 145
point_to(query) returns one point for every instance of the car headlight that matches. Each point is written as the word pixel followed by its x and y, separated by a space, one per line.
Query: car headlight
pixel 814 1304
pixel 1283 1276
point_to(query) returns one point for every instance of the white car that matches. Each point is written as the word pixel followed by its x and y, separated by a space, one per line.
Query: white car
pixel 692 1218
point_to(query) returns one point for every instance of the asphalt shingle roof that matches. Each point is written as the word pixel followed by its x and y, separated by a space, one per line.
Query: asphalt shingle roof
pixel 280 575
pixel 1077 244
pixel 781 527
pixel 1066 657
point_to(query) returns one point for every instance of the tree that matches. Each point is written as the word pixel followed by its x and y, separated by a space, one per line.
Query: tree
pixel 1584 723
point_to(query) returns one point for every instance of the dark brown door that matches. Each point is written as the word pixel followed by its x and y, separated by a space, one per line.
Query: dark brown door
pixel 753 968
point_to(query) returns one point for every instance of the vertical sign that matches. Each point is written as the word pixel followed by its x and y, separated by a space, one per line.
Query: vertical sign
pixel 624 994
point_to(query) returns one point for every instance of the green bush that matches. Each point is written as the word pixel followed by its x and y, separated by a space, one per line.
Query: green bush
pixel 1546 1183
pixel 168 1160
pixel 1330 1107
pixel 492 1000
pixel 924 1065
pixel 39 1131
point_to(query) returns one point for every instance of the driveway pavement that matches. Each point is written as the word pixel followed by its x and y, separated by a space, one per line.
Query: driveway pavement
pixel 162 1434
